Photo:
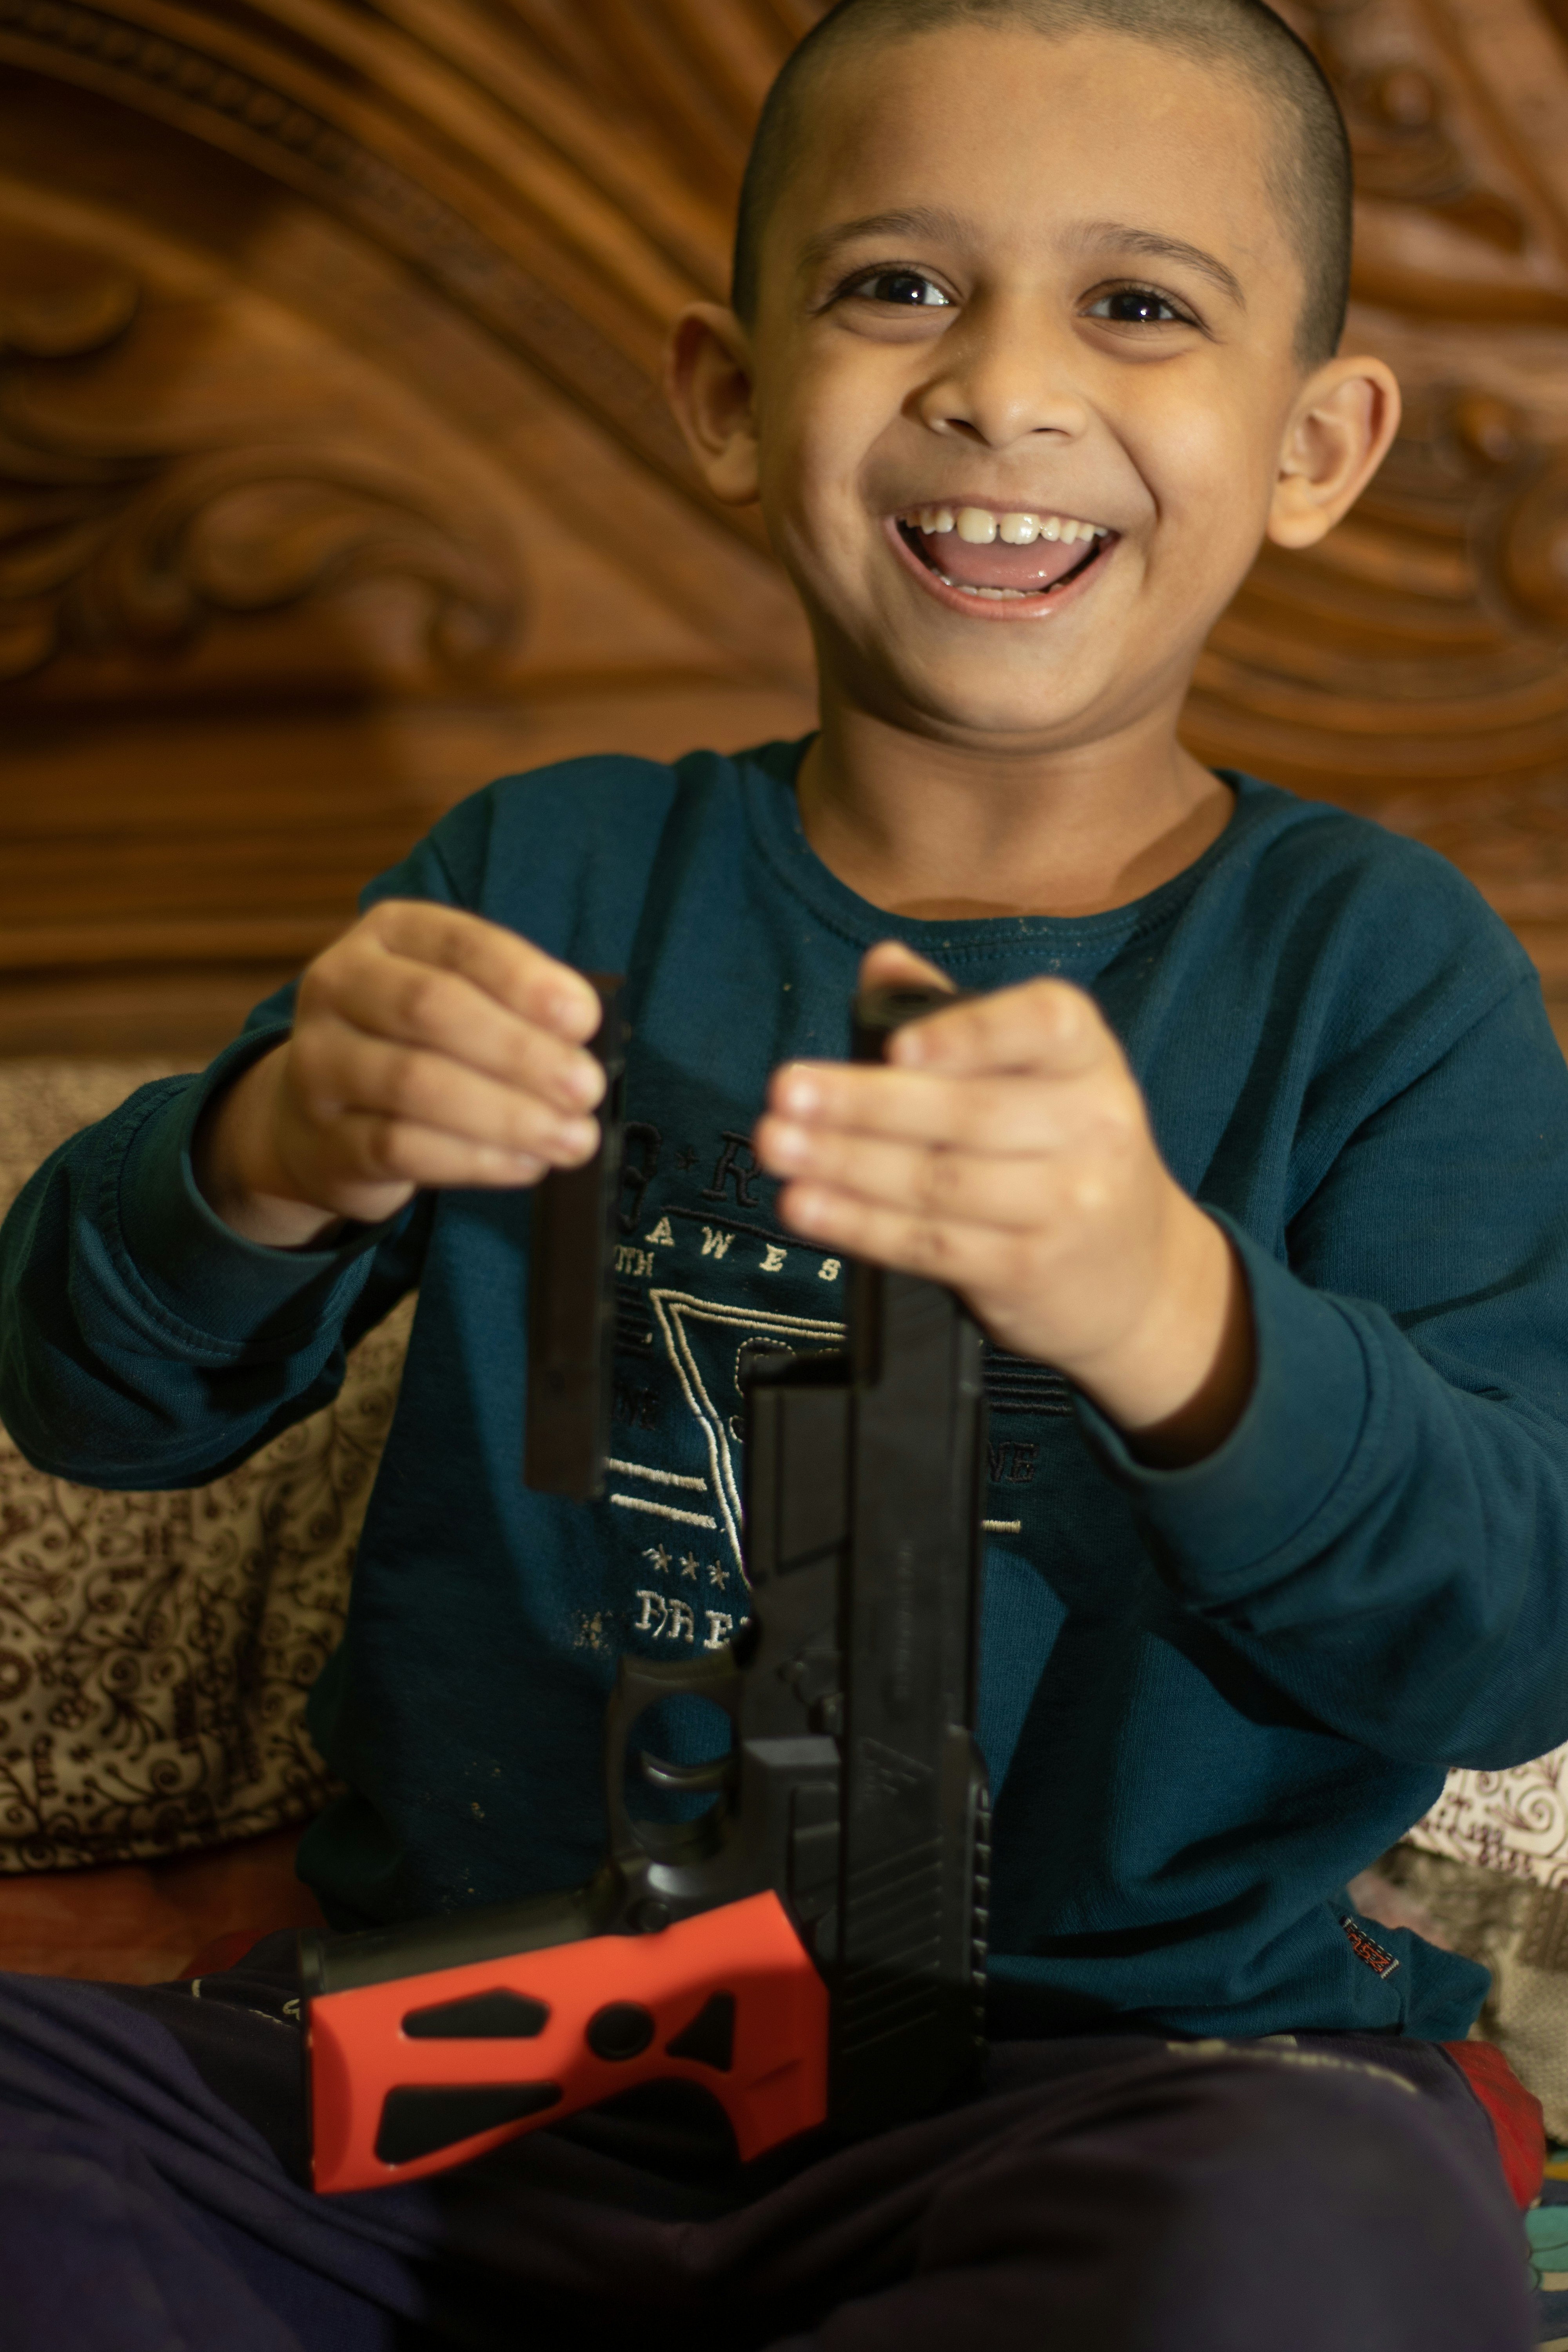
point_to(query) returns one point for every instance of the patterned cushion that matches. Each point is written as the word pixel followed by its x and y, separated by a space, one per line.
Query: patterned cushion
pixel 155 1649
pixel 1513 1818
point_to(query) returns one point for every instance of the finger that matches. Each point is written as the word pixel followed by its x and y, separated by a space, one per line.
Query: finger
pixel 400 1151
pixel 891 964
pixel 1004 1115
pixel 348 1072
pixel 975 1187
pixel 391 996
pixel 503 965
pixel 1047 1025
pixel 968 1257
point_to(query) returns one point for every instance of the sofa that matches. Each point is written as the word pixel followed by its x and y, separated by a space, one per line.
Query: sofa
pixel 157 1650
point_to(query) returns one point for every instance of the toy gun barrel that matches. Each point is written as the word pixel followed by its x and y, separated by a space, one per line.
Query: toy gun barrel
pixel 812 1948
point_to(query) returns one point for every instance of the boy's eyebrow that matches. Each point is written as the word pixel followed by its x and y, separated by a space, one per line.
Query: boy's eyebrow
pixel 917 220
pixel 1157 247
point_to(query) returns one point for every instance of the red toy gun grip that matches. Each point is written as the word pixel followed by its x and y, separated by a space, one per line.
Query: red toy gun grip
pixel 417 2074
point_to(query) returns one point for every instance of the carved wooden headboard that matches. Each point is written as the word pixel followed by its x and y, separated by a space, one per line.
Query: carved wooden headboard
pixel 336 479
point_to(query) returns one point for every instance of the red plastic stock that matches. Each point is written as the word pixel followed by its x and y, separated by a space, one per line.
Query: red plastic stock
pixel 732 1989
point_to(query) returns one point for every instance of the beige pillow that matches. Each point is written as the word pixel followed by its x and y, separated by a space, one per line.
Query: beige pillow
pixel 156 1650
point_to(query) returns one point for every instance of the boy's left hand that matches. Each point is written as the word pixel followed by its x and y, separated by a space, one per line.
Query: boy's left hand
pixel 1006 1151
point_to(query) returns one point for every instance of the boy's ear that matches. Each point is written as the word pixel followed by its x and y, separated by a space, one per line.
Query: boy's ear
pixel 708 383
pixel 1344 421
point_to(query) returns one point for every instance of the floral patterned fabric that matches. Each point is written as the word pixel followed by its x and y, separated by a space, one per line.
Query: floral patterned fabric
pixel 1514 1820
pixel 156 1649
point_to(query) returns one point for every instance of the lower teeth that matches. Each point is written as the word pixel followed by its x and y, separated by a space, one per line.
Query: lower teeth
pixel 965 588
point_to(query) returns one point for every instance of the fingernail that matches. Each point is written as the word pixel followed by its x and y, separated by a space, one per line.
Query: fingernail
pixel 806 1211
pixel 787 1145
pixel 798 1092
pixel 571 1011
pixel 577 1136
pixel 580 1081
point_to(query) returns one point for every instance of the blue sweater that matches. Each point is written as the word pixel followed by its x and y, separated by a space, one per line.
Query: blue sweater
pixel 1209 1695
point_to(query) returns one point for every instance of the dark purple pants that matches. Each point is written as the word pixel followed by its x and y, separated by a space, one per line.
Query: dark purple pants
pixel 1114 2194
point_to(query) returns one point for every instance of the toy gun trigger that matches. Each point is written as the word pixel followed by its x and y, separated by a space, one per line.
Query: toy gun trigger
pixel 686 1779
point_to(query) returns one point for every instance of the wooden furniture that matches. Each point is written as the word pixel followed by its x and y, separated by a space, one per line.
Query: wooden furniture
pixel 334 475
pixel 144 1923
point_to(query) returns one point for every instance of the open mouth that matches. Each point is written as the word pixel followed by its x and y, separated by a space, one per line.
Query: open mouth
pixel 1013 557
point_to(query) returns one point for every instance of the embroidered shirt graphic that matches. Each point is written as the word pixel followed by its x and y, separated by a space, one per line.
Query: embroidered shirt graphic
pixel 705 1340
pixel 703 1284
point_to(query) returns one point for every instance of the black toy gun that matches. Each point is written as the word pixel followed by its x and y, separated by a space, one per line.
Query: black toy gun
pixel 812 1948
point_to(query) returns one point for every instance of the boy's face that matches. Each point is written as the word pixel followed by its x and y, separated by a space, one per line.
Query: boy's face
pixel 1023 284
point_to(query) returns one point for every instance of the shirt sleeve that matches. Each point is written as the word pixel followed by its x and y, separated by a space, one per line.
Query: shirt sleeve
pixel 143 1344
pixel 1384 1534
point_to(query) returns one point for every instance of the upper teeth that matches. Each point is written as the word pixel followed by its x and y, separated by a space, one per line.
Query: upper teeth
pixel 980 526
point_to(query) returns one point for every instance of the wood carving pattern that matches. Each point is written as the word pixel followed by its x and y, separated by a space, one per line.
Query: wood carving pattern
pixel 1404 138
pixel 98 544
pixel 562 173
pixel 1413 667
pixel 266 124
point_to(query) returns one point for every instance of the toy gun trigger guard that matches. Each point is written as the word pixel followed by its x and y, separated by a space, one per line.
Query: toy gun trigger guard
pixel 811 1948
pixel 640 1683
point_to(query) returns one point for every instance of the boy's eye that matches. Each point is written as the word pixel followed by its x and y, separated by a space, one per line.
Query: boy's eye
pixel 1138 306
pixel 907 287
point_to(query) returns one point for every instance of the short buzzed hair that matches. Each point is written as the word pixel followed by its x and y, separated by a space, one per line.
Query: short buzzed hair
pixel 1309 171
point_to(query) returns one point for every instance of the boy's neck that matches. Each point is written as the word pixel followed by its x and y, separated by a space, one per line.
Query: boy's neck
pixel 937 832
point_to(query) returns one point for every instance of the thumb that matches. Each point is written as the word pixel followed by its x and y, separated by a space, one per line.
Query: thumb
pixel 891 964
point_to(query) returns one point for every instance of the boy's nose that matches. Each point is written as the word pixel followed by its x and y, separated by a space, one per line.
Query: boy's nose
pixel 1000 379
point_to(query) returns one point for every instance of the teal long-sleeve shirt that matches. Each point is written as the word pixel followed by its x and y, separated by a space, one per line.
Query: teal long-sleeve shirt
pixel 1209 1697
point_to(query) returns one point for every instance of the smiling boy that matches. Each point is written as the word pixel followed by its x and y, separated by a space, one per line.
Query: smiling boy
pixel 1247 1155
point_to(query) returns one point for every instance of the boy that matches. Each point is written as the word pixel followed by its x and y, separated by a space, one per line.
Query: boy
pixel 1245 1160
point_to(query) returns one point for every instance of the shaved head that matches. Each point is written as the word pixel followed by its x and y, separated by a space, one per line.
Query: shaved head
pixel 1307 165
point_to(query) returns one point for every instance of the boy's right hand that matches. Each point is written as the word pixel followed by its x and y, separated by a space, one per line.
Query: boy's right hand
pixel 429 1047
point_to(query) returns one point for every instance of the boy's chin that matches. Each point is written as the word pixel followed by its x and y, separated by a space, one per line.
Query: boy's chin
pixel 957 702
